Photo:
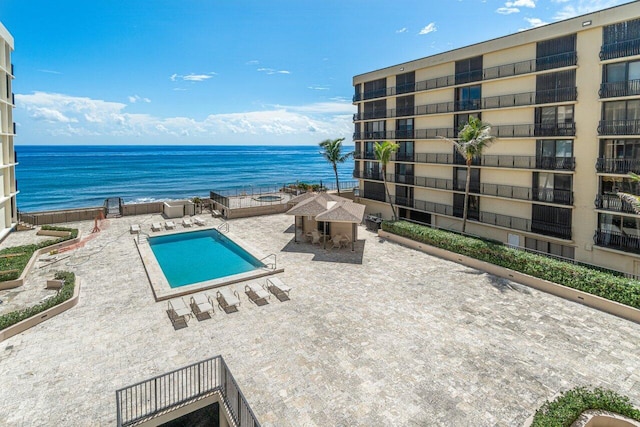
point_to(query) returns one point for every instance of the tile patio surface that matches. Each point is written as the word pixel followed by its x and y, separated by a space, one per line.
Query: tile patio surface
pixel 385 336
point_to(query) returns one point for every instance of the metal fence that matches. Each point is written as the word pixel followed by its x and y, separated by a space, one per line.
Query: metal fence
pixel 176 388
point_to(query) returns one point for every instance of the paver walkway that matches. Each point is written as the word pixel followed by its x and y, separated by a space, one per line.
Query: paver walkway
pixel 385 336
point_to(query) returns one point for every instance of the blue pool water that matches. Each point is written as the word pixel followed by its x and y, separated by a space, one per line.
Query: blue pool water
pixel 187 258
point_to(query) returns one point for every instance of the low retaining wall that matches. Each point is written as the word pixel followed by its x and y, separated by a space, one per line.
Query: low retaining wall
pixel 565 292
pixel 56 217
pixel 10 284
pixel 255 211
pixel 142 208
pixel 45 315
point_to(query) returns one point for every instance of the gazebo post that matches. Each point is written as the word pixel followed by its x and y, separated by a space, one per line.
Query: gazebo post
pixel 324 237
pixel 353 237
pixel 295 228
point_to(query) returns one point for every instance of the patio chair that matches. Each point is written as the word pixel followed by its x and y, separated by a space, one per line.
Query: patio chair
pixel 186 222
pixel 315 237
pixel 278 288
pixel 179 313
pixel 257 294
pixel 156 226
pixel 134 229
pixel 199 221
pixel 169 225
pixel 201 307
pixel 337 241
pixel 216 214
pixel 228 300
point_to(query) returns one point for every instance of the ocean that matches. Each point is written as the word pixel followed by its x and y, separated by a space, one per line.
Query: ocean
pixel 63 177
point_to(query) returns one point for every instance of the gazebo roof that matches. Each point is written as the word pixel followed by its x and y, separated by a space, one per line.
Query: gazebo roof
pixel 324 196
pixel 344 211
pixel 311 206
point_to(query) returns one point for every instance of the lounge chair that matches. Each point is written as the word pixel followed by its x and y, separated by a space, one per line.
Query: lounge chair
pixel 278 288
pixel 337 241
pixel 135 229
pixel 169 225
pixel 216 214
pixel 179 313
pixel 228 300
pixel 257 294
pixel 156 226
pixel 201 307
pixel 199 221
pixel 186 222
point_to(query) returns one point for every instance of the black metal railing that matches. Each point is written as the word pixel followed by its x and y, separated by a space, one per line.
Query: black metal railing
pixel 367 155
pixel 622 166
pixel 551 229
pixel 620 49
pixel 616 240
pixel 372 175
pixel 551 195
pixel 555 129
pixel 501 161
pixel 619 127
pixel 164 392
pixel 372 195
pixel 612 202
pixel 615 89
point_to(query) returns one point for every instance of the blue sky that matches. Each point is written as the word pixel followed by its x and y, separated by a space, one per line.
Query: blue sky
pixel 229 71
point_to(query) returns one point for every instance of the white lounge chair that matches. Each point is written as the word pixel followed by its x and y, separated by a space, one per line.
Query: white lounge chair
pixel 156 226
pixel 228 300
pixel 201 307
pixel 337 241
pixel 179 313
pixel 257 294
pixel 199 221
pixel 186 222
pixel 216 214
pixel 169 225
pixel 278 288
pixel 135 229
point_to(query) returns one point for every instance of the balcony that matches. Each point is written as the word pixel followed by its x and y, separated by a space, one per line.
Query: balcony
pixel 367 155
pixel 551 195
pixel 621 166
pixel 555 129
pixel 611 202
pixel 371 175
pixel 616 89
pixel 616 240
pixel 619 127
pixel 372 195
pixel 620 49
pixel 551 229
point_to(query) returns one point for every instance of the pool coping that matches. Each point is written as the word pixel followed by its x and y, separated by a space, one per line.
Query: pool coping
pixel 160 285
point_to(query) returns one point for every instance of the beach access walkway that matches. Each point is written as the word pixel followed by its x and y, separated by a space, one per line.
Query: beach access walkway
pixel 383 336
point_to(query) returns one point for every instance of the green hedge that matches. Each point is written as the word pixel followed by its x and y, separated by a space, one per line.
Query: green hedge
pixel 567 407
pixel 603 284
pixel 64 294
pixel 20 262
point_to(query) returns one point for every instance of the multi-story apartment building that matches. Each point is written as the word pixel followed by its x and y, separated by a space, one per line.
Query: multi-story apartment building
pixel 563 101
pixel 8 184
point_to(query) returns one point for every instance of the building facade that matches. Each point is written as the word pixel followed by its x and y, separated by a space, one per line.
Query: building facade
pixel 563 102
pixel 8 161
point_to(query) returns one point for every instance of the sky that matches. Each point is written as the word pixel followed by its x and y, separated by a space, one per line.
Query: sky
pixel 226 72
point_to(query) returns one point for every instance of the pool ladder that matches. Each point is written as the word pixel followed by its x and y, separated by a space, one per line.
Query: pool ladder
pixel 224 227
pixel 145 239
pixel 271 265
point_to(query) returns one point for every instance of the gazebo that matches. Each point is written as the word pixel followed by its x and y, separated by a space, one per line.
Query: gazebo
pixel 347 214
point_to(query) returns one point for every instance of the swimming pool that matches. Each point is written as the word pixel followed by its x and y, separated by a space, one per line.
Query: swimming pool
pixel 199 256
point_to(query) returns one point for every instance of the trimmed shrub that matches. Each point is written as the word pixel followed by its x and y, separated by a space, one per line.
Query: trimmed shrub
pixel 63 294
pixel 603 284
pixel 567 407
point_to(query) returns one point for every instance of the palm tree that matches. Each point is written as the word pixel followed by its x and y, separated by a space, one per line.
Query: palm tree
pixel 473 138
pixel 332 152
pixel 383 152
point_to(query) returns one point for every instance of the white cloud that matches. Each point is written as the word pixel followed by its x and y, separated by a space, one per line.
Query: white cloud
pixel 317 88
pixel 535 22
pixel 270 71
pixel 50 71
pixel 401 30
pixel 69 116
pixel 507 10
pixel 430 28
pixel 521 3
pixel 581 7
pixel 252 62
pixel 192 77
pixel 135 98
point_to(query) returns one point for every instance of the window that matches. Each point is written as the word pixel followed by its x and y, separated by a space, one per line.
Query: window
pixel 404 170
pixel 620 40
pixel 468 98
pixel 551 221
pixel 629 226
pixel 556 87
pixel 375 130
pixel 404 106
pixel 356 95
pixel 460 179
pixel 620 149
pixel 405 82
pixel 375 89
pixel 404 128
pixel 554 154
pixel 404 195
pixel 459 120
pixel 620 118
pixel 374 191
pixel 405 151
pixel 375 109
pixel 556 52
pixel 622 72
pixel 473 209
pixel 611 185
pixel 552 188
pixel 556 120
pixel 469 70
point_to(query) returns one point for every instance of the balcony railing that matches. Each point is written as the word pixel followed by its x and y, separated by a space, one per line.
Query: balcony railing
pixel 615 89
pixel 620 49
pixel 367 155
pixel 488 103
pixel 507 70
pixel 555 129
pixel 551 229
pixel 165 392
pixel 617 240
pixel 622 166
pixel 372 175
pixel 611 202
pixel 619 127
pixel 550 195
pixel 501 161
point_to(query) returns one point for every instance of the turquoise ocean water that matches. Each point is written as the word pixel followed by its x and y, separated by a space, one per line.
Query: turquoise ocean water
pixel 62 177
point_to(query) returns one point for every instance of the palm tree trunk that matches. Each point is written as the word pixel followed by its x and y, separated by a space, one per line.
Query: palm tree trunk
pixel 465 209
pixel 384 180
pixel 335 170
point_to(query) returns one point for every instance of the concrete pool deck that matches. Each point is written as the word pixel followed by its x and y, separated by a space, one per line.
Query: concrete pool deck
pixel 382 336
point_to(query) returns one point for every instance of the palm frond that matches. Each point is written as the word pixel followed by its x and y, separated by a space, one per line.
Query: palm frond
pixel 632 200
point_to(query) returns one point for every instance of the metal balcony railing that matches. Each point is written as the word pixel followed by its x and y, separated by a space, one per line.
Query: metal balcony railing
pixel 620 49
pixel 619 127
pixel 162 393
pixel 372 175
pixel 622 166
pixel 551 195
pixel 616 240
pixel 615 89
pixel 611 202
